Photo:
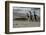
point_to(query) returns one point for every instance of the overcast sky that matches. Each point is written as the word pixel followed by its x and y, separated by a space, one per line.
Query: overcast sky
pixel 25 10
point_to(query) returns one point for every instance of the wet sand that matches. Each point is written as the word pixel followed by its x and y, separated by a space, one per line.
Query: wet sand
pixel 25 23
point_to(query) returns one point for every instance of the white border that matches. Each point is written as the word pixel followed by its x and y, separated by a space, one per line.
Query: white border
pixel 11 29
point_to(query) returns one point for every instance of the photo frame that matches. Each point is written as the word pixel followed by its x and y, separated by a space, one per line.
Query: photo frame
pixel 24 17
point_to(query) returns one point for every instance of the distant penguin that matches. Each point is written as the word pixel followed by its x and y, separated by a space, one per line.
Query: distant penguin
pixel 35 16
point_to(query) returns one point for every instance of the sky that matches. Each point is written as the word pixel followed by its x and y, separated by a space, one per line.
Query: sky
pixel 24 10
